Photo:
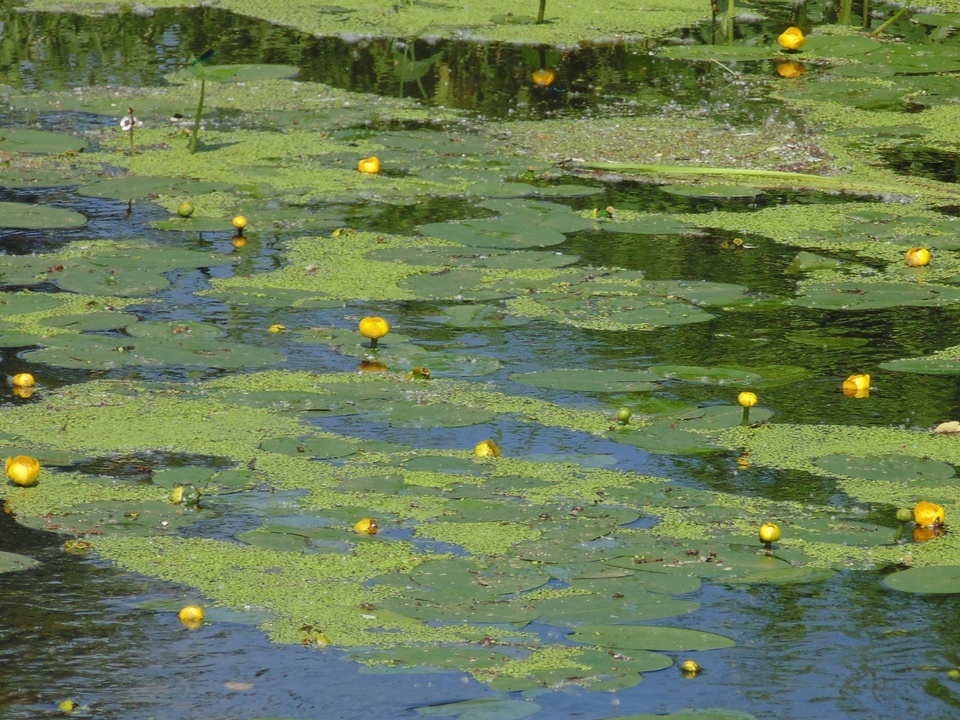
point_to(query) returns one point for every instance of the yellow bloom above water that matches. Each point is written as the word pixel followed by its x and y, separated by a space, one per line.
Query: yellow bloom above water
pixel 374 328
pixel 191 616
pixel 23 470
pixel 747 399
pixel 857 385
pixel 917 257
pixel 928 514
pixel 240 222
pixel 370 165
pixel 791 69
pixel 24 380
pixel 277 327
pixel 691 668
pixel 367 526
pixel 769 532
pixel 544 77
pixel 487 448
pixel 792 38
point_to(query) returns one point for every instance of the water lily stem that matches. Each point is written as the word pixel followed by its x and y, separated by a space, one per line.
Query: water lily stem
pixel 746 421
pixel 731 11
pixel 373 343
pixel 899 535
pixel 896 16
pixel 542 12
pixel 133 123
pixel 196 121
pixel 846 12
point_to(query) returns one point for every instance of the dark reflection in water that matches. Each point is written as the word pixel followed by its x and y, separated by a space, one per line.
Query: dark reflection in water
pixel 47 51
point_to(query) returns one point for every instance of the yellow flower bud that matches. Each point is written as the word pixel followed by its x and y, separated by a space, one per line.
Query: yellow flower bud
pixel 24 380
pixel 857 385
pixel 747 399
pixel 191 616
pixel 239 222
pixel 277 327
pixel 928 514
pixel 917 257
pixel 367 526
pixel 487 448
pixel 769 532
pixel 791 38
pixel 23 470
pixel 691 667
pixel 374 328
pixel 370 165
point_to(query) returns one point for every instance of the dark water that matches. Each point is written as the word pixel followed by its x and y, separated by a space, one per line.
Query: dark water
pixel 844 648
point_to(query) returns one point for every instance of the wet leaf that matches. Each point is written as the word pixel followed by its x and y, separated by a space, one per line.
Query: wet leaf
pixel 645 637
pixel 12 562
pixel 25 140
pixel 38 217
pixel 482 709
pixel 942 579
pixel 907 469
pixel 584 380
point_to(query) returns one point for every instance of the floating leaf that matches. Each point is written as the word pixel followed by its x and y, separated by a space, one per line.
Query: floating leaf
pixel 316 447
pixel 941 579
pixel 24 140
pixel 482 709
pixel 38 217
pixel 645 637
pixel 907 469
pixel 707 375
pixel 11 562
pixel 573 610
pixel 94 279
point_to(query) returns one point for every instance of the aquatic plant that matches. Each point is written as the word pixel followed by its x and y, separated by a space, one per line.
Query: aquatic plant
pixel 197 67
pixel 746 400
pixel 792 39
pixel 369 165
pixel 928 515
pixel 24 380
pixel 917 257
pixel 23 470
pixel 374 328
pixel 857 386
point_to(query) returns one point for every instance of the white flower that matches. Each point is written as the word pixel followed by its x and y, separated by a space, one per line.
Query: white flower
pixel 127 123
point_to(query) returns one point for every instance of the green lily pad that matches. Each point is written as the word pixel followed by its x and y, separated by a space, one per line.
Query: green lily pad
pixel 806 261
pixel 12 562
pixel 663 437
pixel 721 53
pixel 924 366
pixel 38 217
pixel 434 656
pixel 24 140
pixel 650 225
pixel 21 303
pixel 645 637
pixel 250 72
pixel 907 469
pixel 699 714
pixel 513 612
pixel 86 322
pixel 471 579
pixel 493 233
pixel 133 519
pixel 591 380
pixel 442 463
pixel 85 277
pixel 707 375
pixel 479 316
pixel 482 709
pixel 941 579
pixel 875 295
pixel 574 610
pixel 638 583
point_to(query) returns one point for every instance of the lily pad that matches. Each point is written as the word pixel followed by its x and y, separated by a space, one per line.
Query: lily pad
pixel 645 637
pixel 907 469
pixel 93 279
pixel 574 610
pixel 25 140
pixel 707 375
pixel 875 295
pixel 482 709
pixel 431 416
pixel 942 579
pixel 316 447
pixel 471 579
pixel 12 562
pixel 38 217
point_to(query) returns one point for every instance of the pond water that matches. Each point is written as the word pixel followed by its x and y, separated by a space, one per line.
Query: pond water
pixel 291 444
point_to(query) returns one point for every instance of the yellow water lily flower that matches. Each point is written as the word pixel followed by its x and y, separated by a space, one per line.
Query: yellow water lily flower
pixel 792 38
pixel 928 514
pixel 791 69
pixel 691 667
pixel 67 706
pixel 857 385
pixel 370 165
pixel 185 209
pixel 747 399
pixel 191 616
pixel 374 328
pixel 23 470
pixel 544 77
pixel 917 257
pixel 769 532
pixel 487 448
pixel 367 526
pixel 24 380
pixel 240 222
pixel 277 327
